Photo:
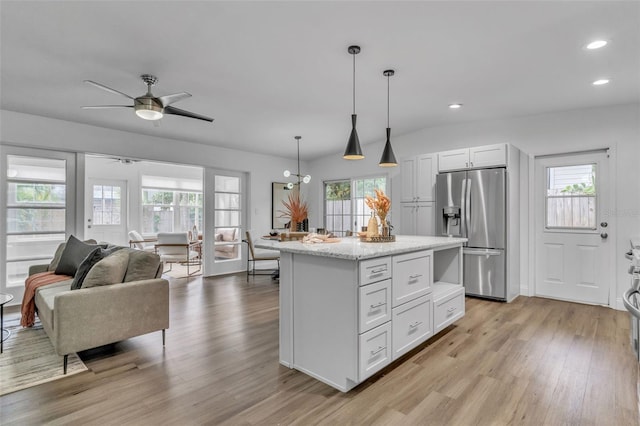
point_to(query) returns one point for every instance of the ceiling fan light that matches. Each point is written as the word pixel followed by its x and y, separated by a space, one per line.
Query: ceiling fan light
pixel 353 151
pixel 148 112
pixel 388 158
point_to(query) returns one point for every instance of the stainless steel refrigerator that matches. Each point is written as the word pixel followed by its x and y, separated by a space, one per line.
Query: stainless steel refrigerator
pixel 472 204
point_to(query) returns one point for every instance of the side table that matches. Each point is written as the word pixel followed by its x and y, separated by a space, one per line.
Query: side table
pixel 4 298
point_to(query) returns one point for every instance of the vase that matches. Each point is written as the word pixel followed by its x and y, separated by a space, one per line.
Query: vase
pixel 372 226
pixel 384 230
pixel 293 226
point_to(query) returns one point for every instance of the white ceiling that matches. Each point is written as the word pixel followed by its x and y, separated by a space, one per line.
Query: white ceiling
pixel 267 71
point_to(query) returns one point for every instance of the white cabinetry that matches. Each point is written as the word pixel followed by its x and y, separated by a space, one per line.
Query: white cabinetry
pixel 473 158
pixel 418 178
pixel 417 219
pixel 418 194
pixel 342 319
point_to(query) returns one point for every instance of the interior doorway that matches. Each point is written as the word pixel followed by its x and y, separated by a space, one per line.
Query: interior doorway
pixel 573 248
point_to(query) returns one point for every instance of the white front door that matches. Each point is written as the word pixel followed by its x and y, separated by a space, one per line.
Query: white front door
pixel 106 211
pixel 573 253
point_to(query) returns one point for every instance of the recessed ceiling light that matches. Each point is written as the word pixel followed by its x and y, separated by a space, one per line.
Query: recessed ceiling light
pixel 600 82
pixel 455 106
pixel 597 44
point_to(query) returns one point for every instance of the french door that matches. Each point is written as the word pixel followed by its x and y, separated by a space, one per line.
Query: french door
pixel 225 222
pixel 573 249
pixel 106 211
pixel 38 202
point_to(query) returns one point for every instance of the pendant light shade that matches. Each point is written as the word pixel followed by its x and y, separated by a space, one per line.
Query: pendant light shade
pixel 388 158
pixel 353 151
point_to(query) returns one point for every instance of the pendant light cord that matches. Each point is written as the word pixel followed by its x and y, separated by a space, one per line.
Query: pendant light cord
pixel 354 82
pixel 388 101
pixel 298 164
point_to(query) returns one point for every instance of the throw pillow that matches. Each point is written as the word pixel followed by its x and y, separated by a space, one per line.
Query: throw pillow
pixel 75 251
pixel 95 256
pixel 56 257
pixel 109 270
pixel 142 266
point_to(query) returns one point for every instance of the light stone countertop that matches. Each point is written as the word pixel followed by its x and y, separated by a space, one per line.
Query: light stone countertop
pixel 351 248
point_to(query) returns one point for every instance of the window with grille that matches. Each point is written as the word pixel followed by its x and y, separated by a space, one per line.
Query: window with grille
pixel 344 203
pixel 571 197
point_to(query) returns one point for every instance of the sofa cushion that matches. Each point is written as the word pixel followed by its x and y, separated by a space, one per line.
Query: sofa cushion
pixel 44 299
pixel 75 251
pixel 110 270
pixel 142 265
pixel 58 254
pixel 228 234
pixel 92 258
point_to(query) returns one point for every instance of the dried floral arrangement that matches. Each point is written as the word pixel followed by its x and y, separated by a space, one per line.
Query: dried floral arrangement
pixel 296 209
pixel 380 205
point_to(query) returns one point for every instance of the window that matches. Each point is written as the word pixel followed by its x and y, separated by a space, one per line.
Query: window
pixel 227 212
pixel 337 206
pixel 166 210
pixel 107 205
pixel 36 213
pixel 571 197
pixel 344 203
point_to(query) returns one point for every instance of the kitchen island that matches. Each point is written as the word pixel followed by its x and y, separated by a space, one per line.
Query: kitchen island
pixel 350 308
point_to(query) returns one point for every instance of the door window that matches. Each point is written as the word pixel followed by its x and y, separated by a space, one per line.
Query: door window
pixel 107 205
pixel 571 197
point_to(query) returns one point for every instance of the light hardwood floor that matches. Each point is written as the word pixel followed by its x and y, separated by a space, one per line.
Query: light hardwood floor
pixel 530 362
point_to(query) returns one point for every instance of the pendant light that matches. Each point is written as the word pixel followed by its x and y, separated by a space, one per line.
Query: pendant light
pixel 353 151
pixel 388 158
pixel 287 173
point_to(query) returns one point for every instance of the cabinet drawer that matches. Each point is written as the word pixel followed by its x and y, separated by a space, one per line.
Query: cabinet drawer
pixel 375 305
pixel 412 325
pixel 448 309
pixel 373 270
pixel 375 350
pixel 412 276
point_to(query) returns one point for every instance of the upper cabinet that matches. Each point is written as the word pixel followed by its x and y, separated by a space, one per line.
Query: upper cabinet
pixel 473 158
pixel 418 178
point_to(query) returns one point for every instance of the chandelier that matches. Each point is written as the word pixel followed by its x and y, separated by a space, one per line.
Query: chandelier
pixel 287 173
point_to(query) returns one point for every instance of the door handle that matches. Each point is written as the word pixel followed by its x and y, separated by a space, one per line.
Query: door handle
pixel 604 224
pixel 604 235
pixel 482 252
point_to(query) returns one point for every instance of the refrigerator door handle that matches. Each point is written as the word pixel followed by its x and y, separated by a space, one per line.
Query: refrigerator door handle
pixel 467 206
pixel 463 209
pixel 482 252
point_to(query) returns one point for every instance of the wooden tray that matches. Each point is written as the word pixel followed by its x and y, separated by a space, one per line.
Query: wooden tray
pixel 389 239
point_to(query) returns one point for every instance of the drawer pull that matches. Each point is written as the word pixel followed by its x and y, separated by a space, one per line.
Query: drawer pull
pixel 415 324
pixel 413 277
pixel 378 271
pixel 450 311
pixel 377 351
pixel 377 305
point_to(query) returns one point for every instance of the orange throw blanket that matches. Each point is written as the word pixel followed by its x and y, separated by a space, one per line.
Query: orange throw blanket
pixel 28 301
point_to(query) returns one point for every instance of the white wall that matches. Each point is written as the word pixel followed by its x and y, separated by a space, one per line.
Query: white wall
pixel 617 127
pixel 39 132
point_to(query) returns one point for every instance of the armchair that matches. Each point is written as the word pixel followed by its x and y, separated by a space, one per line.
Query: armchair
pixel 175 247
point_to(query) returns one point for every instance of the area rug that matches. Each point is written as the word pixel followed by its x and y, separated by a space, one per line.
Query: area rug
pixel 180 271
pixel 29 359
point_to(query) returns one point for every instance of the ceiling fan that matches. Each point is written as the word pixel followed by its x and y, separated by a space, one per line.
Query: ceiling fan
pixel 148 106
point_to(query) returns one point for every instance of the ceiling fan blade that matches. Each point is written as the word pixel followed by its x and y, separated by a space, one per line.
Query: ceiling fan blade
pixel 105 106
pixel 169 99
pixel 108 89
pixel 177 111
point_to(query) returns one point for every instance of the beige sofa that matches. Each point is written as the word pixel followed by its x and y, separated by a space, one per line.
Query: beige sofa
pixel 86 318
pixel 226 251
